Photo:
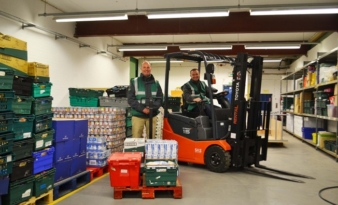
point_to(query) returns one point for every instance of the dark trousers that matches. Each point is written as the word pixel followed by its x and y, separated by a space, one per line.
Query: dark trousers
pixel 207 110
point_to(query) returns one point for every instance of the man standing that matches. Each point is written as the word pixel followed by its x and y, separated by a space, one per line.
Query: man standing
pixel 195 91
pixel 142 91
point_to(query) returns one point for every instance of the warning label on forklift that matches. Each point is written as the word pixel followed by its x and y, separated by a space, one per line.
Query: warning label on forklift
pixel 186 130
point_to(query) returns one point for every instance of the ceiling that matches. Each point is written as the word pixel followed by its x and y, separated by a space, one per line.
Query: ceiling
pixel 238 28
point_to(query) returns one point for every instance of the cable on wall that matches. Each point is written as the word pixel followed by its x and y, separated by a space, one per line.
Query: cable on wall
pixel 25 24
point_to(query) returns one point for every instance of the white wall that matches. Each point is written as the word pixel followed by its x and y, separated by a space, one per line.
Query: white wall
pixel 69 65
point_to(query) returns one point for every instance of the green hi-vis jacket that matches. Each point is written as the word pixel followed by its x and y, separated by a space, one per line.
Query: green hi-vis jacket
pixel 141 89
pixel 191 91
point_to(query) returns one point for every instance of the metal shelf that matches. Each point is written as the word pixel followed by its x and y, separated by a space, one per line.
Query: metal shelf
pixel 327 118
pixel 288 93
pixel 328 83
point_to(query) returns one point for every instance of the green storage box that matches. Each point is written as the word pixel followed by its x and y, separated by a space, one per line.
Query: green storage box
pixel 19 191
pixel 6 164
pixel 42 105
pixel 6 98
pixel 39 79
pixel 23 126
pixel 41 89
pixel 43 122
pixel 83 101
pixel 80 92
pixel 6 78
pixel 161 175
pixel 44 182
pixel 23 149
pixel 6 143
pixel 6 122
pixel 22 105
pixel 43 139
pixel 321 95
pixel 21 54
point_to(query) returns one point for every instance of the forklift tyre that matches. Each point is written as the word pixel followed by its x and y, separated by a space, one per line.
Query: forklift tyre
pixel 217 159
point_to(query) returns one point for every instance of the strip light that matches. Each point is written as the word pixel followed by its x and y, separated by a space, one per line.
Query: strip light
pixel 205 47
pixel 272 46
pixel 294 11
pixel 163 61
pixel 188 15
pixel 142 48
pixel 272 60
pixel 88 18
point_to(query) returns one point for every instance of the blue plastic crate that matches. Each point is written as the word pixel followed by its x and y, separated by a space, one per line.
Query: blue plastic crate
pixel 63 170
pixel 78 164
pixel 307 132
pixel 43 160
pixel 63 150
pixel 4 182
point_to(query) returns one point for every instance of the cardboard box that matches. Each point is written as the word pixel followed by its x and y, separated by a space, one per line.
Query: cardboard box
pixel 14 53
pixel 20 66
pixel 335 90
pixel 134 145
pixel 7 41
pixel 38 69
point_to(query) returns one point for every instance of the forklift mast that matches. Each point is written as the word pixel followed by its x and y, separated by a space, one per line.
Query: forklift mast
pixel 247 147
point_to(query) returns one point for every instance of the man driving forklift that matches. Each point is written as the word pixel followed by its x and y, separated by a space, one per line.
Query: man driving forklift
pixel 194 92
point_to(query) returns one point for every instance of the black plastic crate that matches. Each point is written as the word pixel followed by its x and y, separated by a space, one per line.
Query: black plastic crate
pixel 6 142
pixel 22 86
pixel 42 105
pixel 6 122
pixel 43 122
pixel 118 91
pixel 22 169
pixel 23 149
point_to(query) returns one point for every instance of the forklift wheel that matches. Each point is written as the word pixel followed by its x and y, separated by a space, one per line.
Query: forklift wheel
pixel 217 159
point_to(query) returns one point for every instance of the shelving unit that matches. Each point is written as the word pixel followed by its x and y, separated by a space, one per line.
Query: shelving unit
pixel 289 89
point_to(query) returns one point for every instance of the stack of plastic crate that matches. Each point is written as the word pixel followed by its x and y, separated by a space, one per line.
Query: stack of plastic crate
pixel 6 134
pixel 84 97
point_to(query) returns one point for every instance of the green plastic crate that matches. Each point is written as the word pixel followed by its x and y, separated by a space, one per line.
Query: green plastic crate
pixel 6 122
pixel 43 139
pixel 44 182
pixel 42 105
pixel 308 103
pixel 321 95
pixel 22 105
pixel 6 164
pixel 6 143
pixel 6 78
pixel 43 122
pixel 23 149
pixel 39 79
pixel 84 102
pixel 161 176
pixel 80 92
pixel 6 98
pixel 41 89
pixel 322 103
pixel 19 191
pixel 23 126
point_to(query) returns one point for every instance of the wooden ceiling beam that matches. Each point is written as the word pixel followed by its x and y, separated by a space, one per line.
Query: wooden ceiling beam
pixel 236 22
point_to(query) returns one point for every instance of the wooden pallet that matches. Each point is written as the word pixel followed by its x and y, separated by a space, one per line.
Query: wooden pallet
pixel 149 192
pixel 65 186
pixel 45 198
pixel 96 172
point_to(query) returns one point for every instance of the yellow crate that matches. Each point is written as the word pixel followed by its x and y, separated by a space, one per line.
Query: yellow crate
pixel 12 62
pixel 176 93
pixel 38 69
pixel 7 41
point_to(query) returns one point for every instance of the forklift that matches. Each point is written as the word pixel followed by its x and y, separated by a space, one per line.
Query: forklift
pixel 229 139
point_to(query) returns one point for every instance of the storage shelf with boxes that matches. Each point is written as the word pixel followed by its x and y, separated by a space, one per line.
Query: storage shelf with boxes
pixel 314 88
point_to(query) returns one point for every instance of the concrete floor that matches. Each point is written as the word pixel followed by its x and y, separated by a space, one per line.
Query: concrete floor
pixel 201 186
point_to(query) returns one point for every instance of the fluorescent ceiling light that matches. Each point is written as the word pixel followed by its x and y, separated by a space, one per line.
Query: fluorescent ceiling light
pixel 273 46
pixel 163 61
pixel 294 11
pixel 90 18
pixel 188 15
pixel 205 47
pixel 272 60
pixel 142 48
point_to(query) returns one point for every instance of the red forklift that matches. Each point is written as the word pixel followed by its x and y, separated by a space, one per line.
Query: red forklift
pixel 229 139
